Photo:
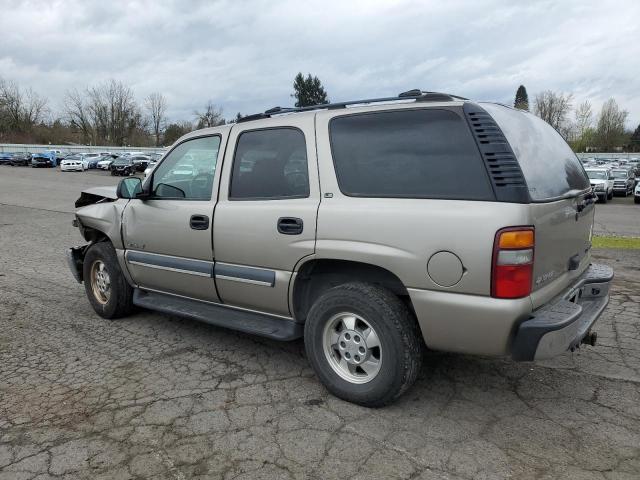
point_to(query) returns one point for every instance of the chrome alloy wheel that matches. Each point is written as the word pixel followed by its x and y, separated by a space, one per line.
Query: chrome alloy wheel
pixel 100 282
pixel 352 348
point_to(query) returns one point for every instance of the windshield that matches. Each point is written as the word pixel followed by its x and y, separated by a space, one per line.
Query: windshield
pixel 619 174
pixel 597 174
pixel 121 161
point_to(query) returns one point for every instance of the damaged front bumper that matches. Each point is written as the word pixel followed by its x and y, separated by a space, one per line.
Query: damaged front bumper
pixel 75 259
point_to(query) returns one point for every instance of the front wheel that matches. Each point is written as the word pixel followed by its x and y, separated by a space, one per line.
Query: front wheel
pixel 108 291
pixel 363 343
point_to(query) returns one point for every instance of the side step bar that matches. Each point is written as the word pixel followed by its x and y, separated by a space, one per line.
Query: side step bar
pixel 255 323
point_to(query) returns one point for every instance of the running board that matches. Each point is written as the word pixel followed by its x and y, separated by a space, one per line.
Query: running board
pixel 255 323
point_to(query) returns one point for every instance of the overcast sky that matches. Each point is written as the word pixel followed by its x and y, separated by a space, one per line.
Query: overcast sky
pixel 244 54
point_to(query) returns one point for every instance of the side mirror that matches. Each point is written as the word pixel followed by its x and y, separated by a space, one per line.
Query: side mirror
pixel 129 187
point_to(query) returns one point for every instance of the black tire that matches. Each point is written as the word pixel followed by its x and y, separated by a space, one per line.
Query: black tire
pixel 401 345
pixel 610 196
pixel 605 198
pixel 120 300
pixel 636 200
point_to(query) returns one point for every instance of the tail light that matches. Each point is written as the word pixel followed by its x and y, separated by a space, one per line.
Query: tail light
pixel 512 269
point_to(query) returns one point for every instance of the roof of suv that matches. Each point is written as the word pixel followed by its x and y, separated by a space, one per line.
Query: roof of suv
pixel 403 98
pixel 415 95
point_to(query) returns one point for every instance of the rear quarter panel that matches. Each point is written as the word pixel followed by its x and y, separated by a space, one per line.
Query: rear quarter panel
pixel 401 234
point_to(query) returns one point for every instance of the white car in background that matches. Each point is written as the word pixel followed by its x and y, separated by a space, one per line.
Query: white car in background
pixel 636 194
pixel 71 165
pixel 105 161
pixel 149 169
pixel 89 160
pixel 602 182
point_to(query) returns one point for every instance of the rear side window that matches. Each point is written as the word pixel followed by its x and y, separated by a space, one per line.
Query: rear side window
pixel 426 153
pixel 548 164
pixel 270 164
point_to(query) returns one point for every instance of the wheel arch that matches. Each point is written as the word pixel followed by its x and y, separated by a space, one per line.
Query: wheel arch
pixel 317 275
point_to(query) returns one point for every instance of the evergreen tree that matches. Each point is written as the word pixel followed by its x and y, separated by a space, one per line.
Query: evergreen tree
pixel 522 99
pixel 308 91
pixel 635 140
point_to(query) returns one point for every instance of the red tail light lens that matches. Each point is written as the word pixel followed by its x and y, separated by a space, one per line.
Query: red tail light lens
pixel 512 269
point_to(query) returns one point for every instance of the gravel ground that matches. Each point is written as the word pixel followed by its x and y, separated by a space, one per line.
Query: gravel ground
pixel 158 397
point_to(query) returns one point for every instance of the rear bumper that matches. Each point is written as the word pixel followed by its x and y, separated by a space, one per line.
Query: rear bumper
pixel 561 324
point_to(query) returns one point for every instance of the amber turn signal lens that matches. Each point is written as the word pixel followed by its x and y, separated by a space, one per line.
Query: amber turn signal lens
pixel 516 239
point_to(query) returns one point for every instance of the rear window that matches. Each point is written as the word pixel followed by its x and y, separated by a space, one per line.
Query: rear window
pixel 550 167
pixel 426 153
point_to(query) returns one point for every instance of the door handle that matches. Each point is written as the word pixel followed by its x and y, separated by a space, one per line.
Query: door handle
pixel 199 222
pixel 290 225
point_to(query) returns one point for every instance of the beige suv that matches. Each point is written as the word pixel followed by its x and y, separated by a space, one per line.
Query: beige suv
pixel 372 228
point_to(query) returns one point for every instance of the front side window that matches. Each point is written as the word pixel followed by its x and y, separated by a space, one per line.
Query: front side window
pixel 188 170
pixel 270 164
pixel 425 153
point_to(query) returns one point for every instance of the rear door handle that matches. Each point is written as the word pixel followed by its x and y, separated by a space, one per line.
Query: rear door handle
pixel 290 225
pixel 199 222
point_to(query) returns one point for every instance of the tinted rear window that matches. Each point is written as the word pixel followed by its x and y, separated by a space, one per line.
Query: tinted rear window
pixel 550 167
pixel 425 153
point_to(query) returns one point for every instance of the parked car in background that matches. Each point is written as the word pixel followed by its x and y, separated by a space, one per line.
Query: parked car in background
pixel 21 160
pixel 6 158
pixel 155 157
pixel 122 166
pixel 140 162
pixel 72 164
pixel 131 154
pixel 59 155
pixel 602 183
pixel 623 181
pixel 150 168
pixel 636 193
pixel 90 160
pixel 43 160
pixel 105 161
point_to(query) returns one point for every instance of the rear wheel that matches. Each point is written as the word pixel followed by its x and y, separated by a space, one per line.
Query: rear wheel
pixel 363 343
pixel 108 291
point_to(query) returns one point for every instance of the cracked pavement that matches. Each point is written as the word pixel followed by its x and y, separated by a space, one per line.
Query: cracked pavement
pixel 159 397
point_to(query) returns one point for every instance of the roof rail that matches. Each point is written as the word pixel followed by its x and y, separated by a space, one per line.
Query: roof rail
pixel 416 95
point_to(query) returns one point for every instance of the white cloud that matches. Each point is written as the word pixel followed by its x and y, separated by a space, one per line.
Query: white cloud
pixel 244 54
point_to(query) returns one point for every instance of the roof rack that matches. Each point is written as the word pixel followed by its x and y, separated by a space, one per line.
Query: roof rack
pixel 416 95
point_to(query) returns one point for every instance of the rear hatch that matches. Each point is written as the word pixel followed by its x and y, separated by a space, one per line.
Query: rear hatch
pixel 562 207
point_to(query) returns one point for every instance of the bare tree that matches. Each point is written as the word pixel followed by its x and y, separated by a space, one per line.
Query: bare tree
pixel 554 108
pixel 584 118
pixel 20 111
pixel 211 117
pixel 156 105
pixel 77 113
pixel 34 108
pixel 106 113
pixel 610 129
